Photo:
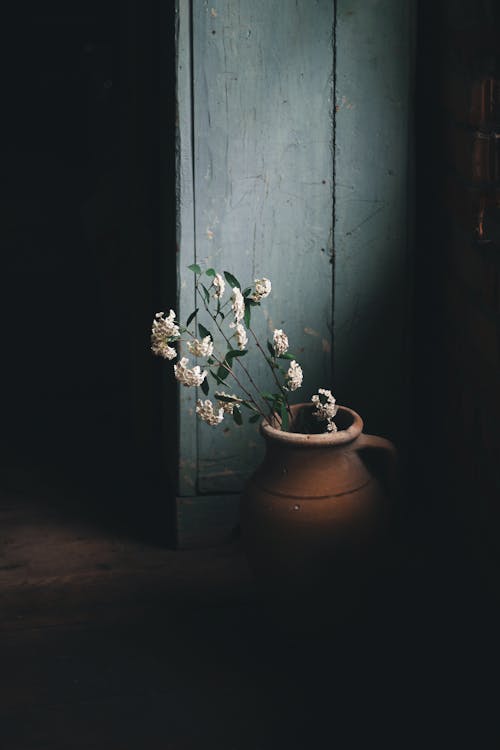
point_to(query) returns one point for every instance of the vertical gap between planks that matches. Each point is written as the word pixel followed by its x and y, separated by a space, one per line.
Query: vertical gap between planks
pixel 193 182
pixel 334 162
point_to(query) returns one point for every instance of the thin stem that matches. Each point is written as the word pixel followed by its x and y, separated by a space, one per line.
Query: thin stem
pixel 250 397
pixel 223 334
pixel 222 363
pixel 280 386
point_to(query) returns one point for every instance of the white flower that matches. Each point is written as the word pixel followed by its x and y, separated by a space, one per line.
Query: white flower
pixel 166 326
pixel 280 341
pixel 203 348
pixel 227 406
pixel 262 289
pixel 162 349
pixel 188 376
pixel 294 376
pixel 238 306
pixel 164 330
pixel 326 408
pixel 241 335
pixel 219 285
pixel 205 411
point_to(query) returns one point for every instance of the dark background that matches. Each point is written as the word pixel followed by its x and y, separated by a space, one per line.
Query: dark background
pixel 88 248
pixel 454 477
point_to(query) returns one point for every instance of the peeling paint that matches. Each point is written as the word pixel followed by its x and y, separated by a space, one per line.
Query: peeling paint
pixel 344 104
pixel 188 480
pixel 224 473
pixel 311 332
pixel 187 463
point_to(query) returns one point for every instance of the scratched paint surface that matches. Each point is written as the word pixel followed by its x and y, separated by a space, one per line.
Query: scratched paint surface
pixel 262 193
pixel 372 269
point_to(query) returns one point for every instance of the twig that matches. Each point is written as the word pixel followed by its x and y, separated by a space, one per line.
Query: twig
pixel 280 386
pixel 222 363
pixel 223 334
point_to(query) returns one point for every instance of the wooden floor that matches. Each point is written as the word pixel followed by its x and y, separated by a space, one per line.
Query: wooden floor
pixel 107 641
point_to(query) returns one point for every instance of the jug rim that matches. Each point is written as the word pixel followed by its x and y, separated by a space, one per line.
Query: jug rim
pixel 354 427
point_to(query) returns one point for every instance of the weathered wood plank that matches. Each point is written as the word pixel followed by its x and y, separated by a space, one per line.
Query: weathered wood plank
pixel 186 474
pixel 263 165
pixel 374 54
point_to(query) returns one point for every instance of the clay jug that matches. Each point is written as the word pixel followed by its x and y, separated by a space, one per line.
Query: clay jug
pixel 315 512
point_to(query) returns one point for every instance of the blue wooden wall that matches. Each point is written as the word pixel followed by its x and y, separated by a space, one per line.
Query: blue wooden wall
pixel 274 98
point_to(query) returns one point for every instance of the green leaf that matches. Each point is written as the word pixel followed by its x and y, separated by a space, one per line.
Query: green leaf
pixel 270 349
pixel 191 317
pixel 254 418
pixel 237 416
pixel 206 293
pixel 195 268
pixel 247 291
pixel 222 373
pixel 210 272
pixel 247 315
pixel 233 353
pixel 268 396
pixel 253 303
pixel 249 406
pixel 284 417
pixel 232 280
pixel 218 380
pixel 204 332
pixel 286 355
pixel 210 361
pixel 205 387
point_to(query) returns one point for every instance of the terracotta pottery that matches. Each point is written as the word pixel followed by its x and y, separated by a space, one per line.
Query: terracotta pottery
pixel 314 513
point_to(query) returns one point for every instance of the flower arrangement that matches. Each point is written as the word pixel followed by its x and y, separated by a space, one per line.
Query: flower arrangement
pixel 230 309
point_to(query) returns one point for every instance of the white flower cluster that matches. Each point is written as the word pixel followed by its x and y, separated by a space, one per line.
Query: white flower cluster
pixel 219 285
pixel 206 412
pixel 227 406
pixel 203 348
pixel 164 331
pixel 326 408
pixel 262 289
pixel 294 376
pixel 162 349
pixel 280 342
pixel 241 336
pixel 237 306
pixel 187 376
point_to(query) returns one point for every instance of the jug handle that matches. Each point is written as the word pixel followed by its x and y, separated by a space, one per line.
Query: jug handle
pixel 387 451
